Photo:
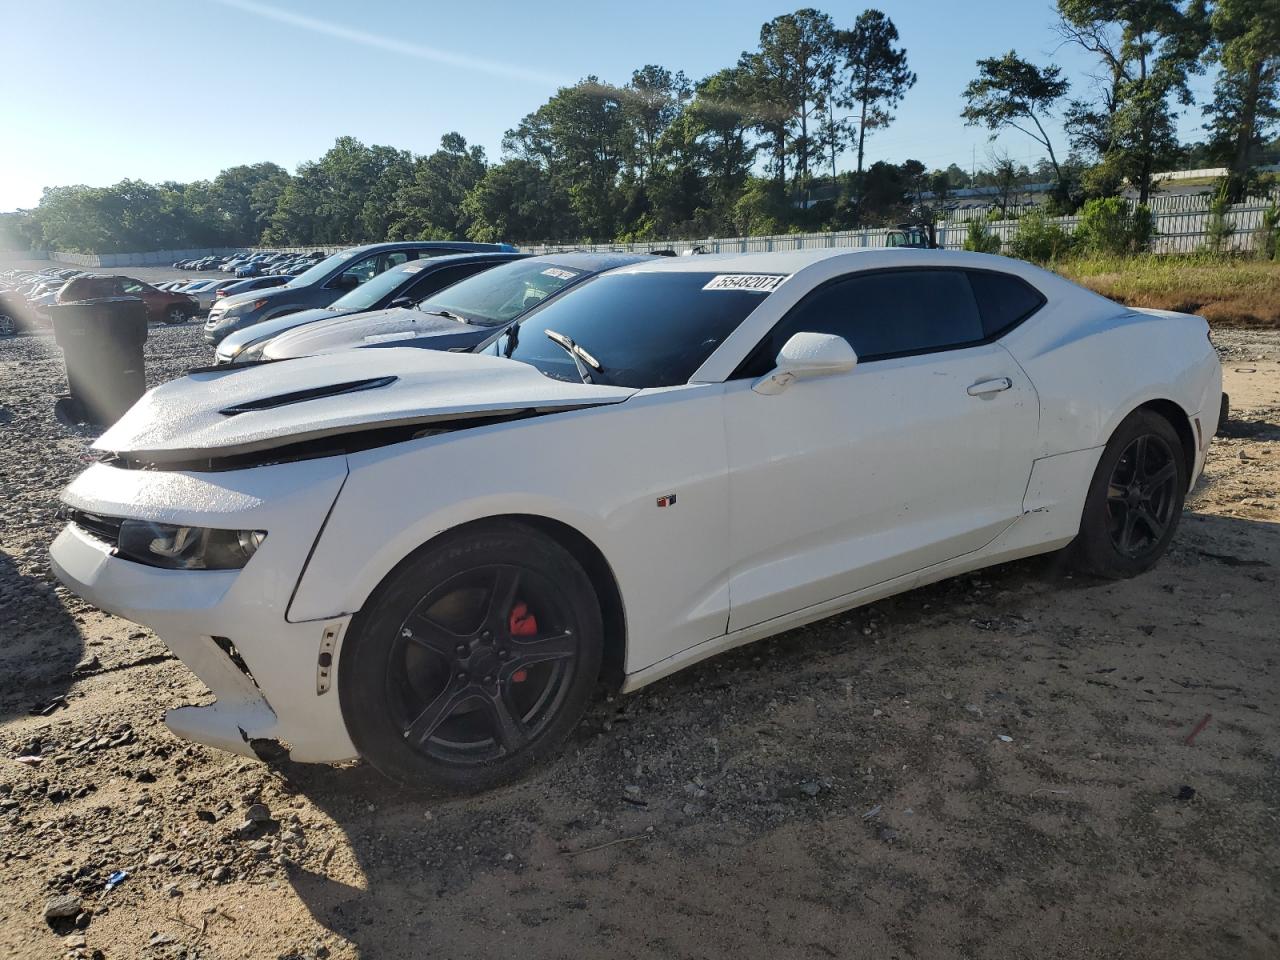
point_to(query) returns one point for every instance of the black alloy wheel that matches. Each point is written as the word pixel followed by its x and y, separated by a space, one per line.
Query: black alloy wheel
pixel 1141 495
pixel 1135 499
pixel 473 659
pixel 482 663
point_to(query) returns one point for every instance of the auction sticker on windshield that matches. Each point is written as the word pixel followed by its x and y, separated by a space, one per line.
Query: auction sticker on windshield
pixel 757 282
pixel 558 273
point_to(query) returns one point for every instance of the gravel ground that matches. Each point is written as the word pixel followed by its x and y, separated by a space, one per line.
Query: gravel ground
pixel 1005 765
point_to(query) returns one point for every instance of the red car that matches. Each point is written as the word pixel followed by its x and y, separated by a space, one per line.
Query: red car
pixel 161 304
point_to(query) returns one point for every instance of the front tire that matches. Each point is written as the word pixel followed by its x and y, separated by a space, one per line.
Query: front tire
pixel 473 660
pixel 1134 501
pixel 175 315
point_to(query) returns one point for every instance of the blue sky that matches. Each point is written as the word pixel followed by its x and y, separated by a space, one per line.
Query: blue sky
pixel 178 89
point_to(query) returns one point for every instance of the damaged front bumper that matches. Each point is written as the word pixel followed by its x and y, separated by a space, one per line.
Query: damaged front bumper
pixel 272 679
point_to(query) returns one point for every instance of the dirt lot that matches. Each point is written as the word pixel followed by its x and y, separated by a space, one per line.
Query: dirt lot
pixel 999 766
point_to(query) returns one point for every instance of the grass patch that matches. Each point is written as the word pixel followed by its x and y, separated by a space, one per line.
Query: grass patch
pixel 1225 291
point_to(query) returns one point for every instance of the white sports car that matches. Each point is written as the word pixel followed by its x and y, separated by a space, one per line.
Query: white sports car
pixel 429 559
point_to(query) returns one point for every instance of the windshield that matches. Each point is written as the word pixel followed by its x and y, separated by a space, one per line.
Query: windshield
pixel 643 329
pixel 498 296
pixel 318 272
pixel 368 294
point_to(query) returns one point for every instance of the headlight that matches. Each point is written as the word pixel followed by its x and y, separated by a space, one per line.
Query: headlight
pixel 248 306
pixel 186 548
pixel 251 352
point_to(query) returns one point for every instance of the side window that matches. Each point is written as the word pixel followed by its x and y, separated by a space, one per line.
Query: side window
pixel 434 252
pixel 881 315
pixel 1003 300
pixel 439 279
pixel 357 273
pixel 395 258
pixel 125 285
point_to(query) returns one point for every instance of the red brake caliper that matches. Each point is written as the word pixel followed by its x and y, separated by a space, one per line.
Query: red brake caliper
pixel 522 624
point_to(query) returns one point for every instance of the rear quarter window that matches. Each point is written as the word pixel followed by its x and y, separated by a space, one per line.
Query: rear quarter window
pixel 1003 300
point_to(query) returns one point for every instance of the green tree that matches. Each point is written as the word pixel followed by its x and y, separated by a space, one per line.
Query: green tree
pixel 343 197
pixel 875 79
pixel 20 230
pixel 796 62
pixel 1147 48
pixel 1267 235
pixel 1217 228
pixel 517 201
pixel 243 199
pixel 720 119
pixel 579 138
pixel 1246 103
pixel 429 205
pixel 651 102
pixel 1014 93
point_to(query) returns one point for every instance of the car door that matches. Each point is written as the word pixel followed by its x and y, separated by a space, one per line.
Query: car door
pixel 919 454
pixel 150 296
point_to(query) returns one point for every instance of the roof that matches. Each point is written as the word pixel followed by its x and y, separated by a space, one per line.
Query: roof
pixel 436 263
pixel 425 245
pixel 596 261
pixel 780 261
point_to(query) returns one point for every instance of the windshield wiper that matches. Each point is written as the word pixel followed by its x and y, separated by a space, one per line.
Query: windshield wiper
pixel 446 314
pixel 581 359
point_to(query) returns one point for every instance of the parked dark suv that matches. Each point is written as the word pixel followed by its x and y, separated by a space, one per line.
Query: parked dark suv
pixel 327 281
pixel 161 304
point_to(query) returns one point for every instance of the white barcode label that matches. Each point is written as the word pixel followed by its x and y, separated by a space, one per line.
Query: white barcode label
pixel 754 282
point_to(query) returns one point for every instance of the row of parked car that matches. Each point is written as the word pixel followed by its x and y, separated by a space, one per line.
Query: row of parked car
pixel 260 263
pixel 443 295
pixel 438 294
pixel 26 296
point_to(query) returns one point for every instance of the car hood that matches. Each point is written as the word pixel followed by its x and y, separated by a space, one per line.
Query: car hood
pixel 235 342
pixel 268 294
pixel 230 411
pixel 399 326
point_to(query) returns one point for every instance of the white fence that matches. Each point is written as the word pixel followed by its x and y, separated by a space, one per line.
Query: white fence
pixel 1176 233
pixel 153 258
pixel 1181 227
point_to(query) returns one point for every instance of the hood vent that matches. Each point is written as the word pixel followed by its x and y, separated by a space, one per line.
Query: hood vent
pixel 313 393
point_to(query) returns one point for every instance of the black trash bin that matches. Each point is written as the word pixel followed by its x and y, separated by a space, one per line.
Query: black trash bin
pixel 101 342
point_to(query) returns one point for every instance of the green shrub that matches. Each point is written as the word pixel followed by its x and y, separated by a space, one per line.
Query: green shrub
pixel 1267 236
pixel 1107 227
pixel 1039 239
pixel 979 238
pixel 1217 230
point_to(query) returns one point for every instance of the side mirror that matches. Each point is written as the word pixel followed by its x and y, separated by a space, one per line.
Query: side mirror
pixel 401 302
pixel 804 356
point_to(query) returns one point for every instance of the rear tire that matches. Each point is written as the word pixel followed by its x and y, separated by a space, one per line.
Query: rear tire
pixel 175 315
pixel 1134 500
pixel 473 660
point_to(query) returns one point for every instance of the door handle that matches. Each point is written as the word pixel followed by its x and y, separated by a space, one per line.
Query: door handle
pixel 984 387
